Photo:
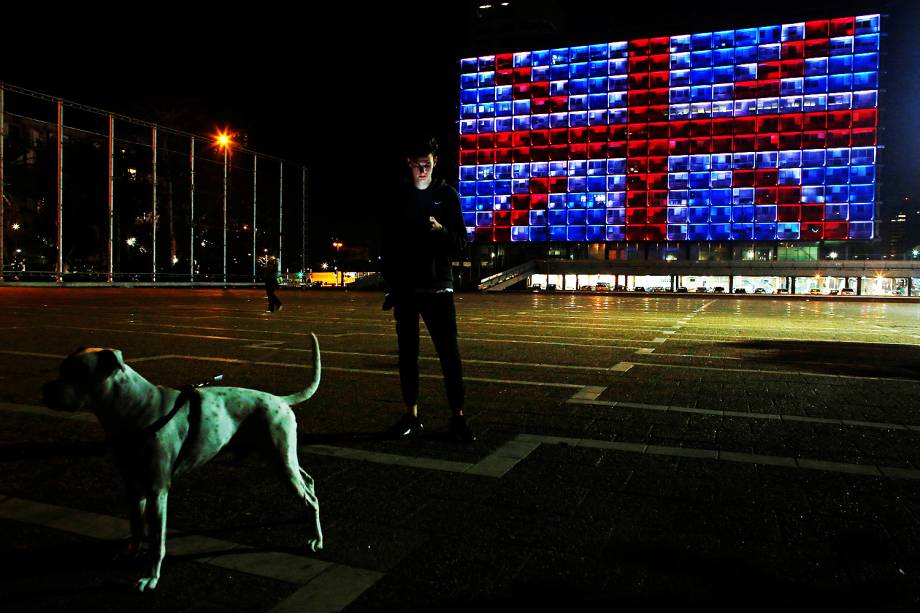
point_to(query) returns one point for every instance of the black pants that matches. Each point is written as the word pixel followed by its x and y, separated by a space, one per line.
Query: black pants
pixel 272 298
pixel 441 320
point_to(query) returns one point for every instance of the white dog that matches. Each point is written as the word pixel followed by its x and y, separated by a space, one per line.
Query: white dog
pixel 159 433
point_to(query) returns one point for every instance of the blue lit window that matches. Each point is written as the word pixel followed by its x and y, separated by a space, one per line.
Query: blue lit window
pixel 790 176
pixel 791 87
pixel 815 66
pixel 766 159
pixel 742 196
pixel 720 214
pixel 767 53
pixel 815 85
pixel 840 64
pixel 745 72
pixel 793 31
pixel 743 161
pixel 745 55
pixel 720 197
pixel 865 43
pixel 725 38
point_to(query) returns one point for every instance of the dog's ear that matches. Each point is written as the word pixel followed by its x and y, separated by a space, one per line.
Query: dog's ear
pixel 109 360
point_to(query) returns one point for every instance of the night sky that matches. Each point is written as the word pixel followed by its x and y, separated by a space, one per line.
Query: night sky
pixel 336 86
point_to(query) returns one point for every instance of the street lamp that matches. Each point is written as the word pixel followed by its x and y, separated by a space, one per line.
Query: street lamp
pixel 832 255
pixel 338 245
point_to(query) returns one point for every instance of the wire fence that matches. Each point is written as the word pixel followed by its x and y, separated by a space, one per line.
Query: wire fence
pixel 89 195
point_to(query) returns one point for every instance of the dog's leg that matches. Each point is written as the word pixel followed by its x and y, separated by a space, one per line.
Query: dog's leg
pixel 284 436
pixel 156 522
pixel 137 505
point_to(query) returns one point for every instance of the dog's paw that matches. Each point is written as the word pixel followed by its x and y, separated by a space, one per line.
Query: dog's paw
pixel 315 545
pixel 146 584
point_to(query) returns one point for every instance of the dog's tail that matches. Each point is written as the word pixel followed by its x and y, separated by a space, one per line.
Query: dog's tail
pixel 306 394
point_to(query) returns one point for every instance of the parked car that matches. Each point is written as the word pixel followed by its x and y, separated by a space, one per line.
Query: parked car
pixel 551 287
pixel 848 291
pixel 814 291
pixel 682 290
pixel 638 288
pixel 781 290
pixel 740 290
pixel 701 290
pixel 602 287
pixel 619 288
pixel 833 292
pixel 718 290
pixel 536 287
pixel 760 290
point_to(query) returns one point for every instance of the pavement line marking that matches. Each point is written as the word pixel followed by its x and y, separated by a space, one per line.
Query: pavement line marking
pixel 589 392
pixel 622 367
pixel 659 340
pixel 506 457
pixel 645 351
pixel 327 587
pixel 744 414
pixel 803 373
pixel 32 354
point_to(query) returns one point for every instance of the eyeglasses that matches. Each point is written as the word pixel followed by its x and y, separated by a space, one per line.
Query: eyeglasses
pixel 423 167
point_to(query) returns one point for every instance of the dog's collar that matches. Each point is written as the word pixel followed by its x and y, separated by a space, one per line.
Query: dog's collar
pixel 187 393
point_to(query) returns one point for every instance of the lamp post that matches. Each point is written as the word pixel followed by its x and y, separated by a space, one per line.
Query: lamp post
pixel 338 245
pixel 224 142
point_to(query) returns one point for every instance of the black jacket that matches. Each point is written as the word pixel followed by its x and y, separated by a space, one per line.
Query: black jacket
pixel 415 258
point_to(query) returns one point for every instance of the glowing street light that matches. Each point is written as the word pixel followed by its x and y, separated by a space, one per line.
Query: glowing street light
pixel 832 255
pixel 15 226
pixel 224 142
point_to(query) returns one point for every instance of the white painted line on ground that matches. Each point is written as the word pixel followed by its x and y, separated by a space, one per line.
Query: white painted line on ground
pixel 622 367
pixel 589 392
pixel 668 332
pixel 328 587
pixel 659 340
pixel 645 351
pixel 802 373
pixel 744 414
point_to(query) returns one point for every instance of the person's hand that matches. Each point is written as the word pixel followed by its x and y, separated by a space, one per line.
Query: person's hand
pixel 435 226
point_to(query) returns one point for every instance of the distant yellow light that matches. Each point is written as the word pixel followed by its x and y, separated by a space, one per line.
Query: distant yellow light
pixel 224 140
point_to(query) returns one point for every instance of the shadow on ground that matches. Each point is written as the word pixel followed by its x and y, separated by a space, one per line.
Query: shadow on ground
pixel 853 359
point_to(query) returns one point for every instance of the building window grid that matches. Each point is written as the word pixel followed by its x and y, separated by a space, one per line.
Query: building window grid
pixel 671 111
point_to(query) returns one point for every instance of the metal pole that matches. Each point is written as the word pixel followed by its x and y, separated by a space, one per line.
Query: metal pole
pixel 60 190
pixel 2 219
pixel 303 239
pixel 154 146
pixel 280 210
pixel 191 221
pixel 111 197
pixel 225 215
pixel 255 170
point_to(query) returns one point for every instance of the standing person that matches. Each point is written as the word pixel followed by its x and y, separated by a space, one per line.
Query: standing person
pixel 423 231
pixel 270 276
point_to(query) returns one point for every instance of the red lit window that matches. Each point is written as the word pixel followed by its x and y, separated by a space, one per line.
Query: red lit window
pixel 681 146
pixel 842 26
pixel 767 142
pixel 468 141
pixel 658 80
pixel 522 75
pixel 838 138
pixel 790 123
pixel 657 215
pixel 721 144
pixel 521 154
pixel 790 140
pixel 520 218
pixel 638 80
pixel 558 185
pixel 865 118
pixel 745 90
pixel 836 229
pixel 766 70
pixel 638 98
pixel 486 141
pixel 521 91
pixel 638 114
pixel 766 177
pixel 700 128
pixel 812 230
pixel 634 232
pixel 814 140
pixel 616 149
pixel 558 104
pixel 502 218
pixel 660 44
pixel 521 139
pixel 502 235
pixel 658 198
pixel 658 181
pixel 700 145
pixel 578 152
pixel 743 178
pixel 597 150
pixel 469 158
pixel 811 212
pixel 658 63
pixel 539 154
pixel 744 142
pixel 520 202
pixel 658 96
pixel 790 195
pixel 558 136
pixel 655 233
pixel 485 235
pixel 638 46
pixel 792 68
pixel 618 132
pixel 538 201
pixel 657 113
pixel 540 89
pixel 638 64
pixel 539 137
pixel 485 156
pixel 503 61
pixel 722 126
pixel 768 123
pixel 638 148
pixel 794 50
pixel 658 164
pixel 763 195
pixel 503 156
pixel 838 120
pixel 679 129
pixel 503 139
pixel 816 29
pixel 815 121
pixel 768 88
pixel 658 130
pixel 636 199
pixel 817 48
pixel 636 215
pixel 597 134
pixel 745 125
pixel 504 77
pixel 863 137
pixel 636 182
pixel 578 135
pixel 539 106
pixel 788 213
pixel 658 147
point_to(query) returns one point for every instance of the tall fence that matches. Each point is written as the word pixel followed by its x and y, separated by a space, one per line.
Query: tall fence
pixel 89 195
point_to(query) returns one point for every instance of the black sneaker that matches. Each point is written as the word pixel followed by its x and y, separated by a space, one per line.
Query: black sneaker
pixel 460 431
pixel 408 425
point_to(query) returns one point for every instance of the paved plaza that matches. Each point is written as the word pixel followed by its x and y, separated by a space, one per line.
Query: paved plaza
pixel 754 454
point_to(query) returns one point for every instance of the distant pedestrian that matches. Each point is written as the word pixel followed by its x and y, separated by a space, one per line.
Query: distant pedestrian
pixel 270 276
